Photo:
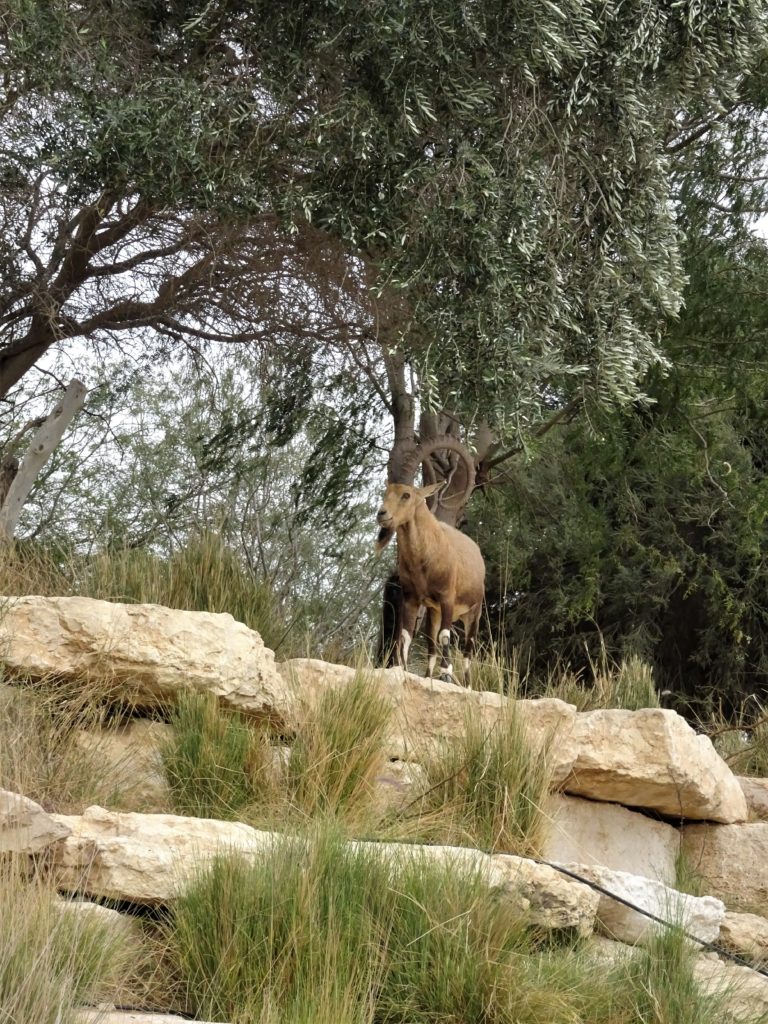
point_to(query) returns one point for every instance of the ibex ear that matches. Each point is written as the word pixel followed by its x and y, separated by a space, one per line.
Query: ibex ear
pixel 431 489
pixel 383 537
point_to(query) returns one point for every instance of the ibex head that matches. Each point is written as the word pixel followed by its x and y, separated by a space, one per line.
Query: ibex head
pixel 399 506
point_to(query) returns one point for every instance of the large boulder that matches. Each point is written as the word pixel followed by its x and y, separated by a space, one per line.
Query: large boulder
pixel 146 652
pixel 588 832
pixel 653 759
pixel 701 916
pixel 429 710
pixel 732 861
pixel 148 858
pixel 24 825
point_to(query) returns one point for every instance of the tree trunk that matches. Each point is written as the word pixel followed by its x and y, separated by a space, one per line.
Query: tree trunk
pixel 43 444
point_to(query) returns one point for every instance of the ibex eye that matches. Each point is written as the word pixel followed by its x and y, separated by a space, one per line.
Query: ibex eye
pixel 405 497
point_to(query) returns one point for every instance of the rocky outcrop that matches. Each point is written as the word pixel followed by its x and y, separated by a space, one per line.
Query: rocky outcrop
pixel 588 832
pixel 701 916
pixel 429 710
pixel 731 860
pixel 148 858
pixel 647 759
pixel 130 754
pixel 24 825
pixel 146 652
pixel 653 759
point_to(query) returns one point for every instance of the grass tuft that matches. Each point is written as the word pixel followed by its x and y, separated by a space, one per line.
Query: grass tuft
pixel 41 753
pixel 628 685
pixel 488 787
pixel 216 764
pixel 339 751
pixel 51 962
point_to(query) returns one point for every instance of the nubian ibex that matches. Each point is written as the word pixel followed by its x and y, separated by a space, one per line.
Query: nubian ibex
pixel 439 568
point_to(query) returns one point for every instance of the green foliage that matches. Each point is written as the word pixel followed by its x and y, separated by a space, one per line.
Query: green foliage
pixel 215 764
pixel 498 177
pixel 339 750
pixel 488 787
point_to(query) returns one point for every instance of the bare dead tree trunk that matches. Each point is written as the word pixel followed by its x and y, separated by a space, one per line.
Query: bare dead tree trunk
pixel 46 437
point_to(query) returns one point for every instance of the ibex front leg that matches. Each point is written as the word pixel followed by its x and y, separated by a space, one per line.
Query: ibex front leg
pixel 444 638
pixel 410 611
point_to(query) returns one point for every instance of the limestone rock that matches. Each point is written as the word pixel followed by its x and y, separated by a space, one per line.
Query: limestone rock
pixel 142 858
pixel 130 752
pixel 702 916
pixel 24 825
pixel 148 653
pixel 147 858
pixel 756 793
pixel 554 900
pixel 588 832
pixel 123 925
pixel 746 934
pixel 732 860
pixel 745 993
pixel 397 784
pixel 429 710
pixel 653 759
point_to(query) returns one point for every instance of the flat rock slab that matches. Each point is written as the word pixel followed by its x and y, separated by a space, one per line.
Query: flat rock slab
pixel 653 759
pixel 589 832
pixel 24 825
pixel 430 710
pixel 147 652
pixel 148 858
pixel 701 916
pixel 732 860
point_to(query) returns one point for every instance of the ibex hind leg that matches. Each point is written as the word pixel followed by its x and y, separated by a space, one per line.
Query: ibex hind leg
pixel 471 625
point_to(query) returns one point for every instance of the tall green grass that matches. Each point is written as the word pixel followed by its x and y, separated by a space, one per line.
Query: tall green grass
pixel 218 765
pixel 215 763
pixel 314 930
pixel 628 685
pixel 51 962
pixel 339 751
pixel 487 788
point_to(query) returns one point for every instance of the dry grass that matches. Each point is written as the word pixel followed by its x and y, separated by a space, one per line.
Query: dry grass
pixel 41 753
pixel 628 685
pixel 51 961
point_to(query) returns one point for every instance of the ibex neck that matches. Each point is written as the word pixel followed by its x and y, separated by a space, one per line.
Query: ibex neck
pixel 417 535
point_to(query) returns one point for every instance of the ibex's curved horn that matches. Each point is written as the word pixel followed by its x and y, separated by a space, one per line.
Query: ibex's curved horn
pixel 442 442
